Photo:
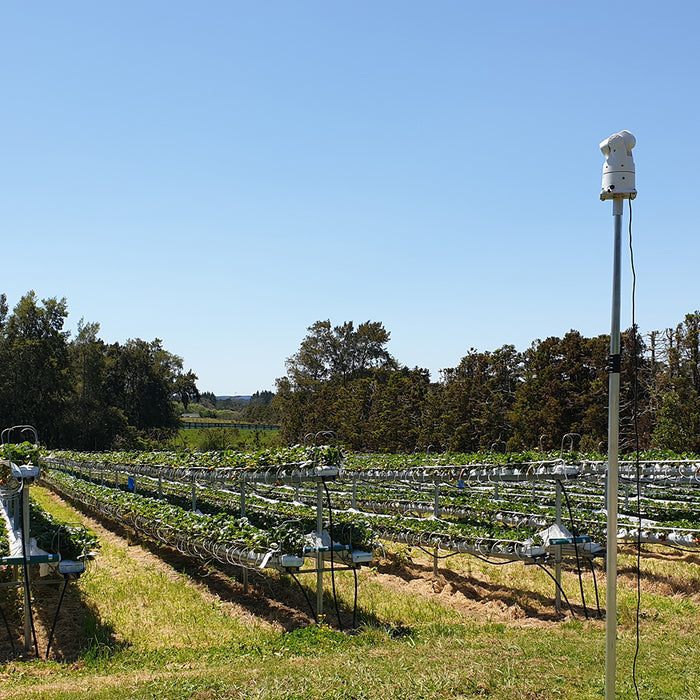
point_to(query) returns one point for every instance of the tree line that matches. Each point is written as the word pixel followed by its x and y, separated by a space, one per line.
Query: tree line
pixel 82 392
pixel 343 379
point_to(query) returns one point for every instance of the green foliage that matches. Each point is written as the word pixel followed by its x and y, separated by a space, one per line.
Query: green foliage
pixel 70 540
pixel 84 393
pixel 502 400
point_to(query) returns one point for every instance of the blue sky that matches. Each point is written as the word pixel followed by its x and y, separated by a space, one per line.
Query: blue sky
pixel 221 175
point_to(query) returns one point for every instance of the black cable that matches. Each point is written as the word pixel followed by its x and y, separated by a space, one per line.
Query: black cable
pixel 635 421
pixel 330 527
pixel 354 606
pixel 55 619
pixel 436 556
pixel 680 549
pixel 308 601
pixel 493 563
pixel 578 563
pixel 558 585
pixel 595 586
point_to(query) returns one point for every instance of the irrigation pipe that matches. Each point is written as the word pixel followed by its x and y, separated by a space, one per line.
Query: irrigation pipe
pixel 595 585
pixel 308 601
pixel 558 585
pixel 330 525
pixel 578 563
pixel 55 619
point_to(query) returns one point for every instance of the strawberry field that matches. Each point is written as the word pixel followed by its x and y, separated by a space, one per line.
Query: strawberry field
pixel 308 509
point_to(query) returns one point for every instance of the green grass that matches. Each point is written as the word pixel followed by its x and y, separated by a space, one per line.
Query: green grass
pixel 152 629
pixel 222 438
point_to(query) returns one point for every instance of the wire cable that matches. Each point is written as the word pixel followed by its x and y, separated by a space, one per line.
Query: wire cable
pixel 635 422
pixel 308 601
pixel 354 606
pixel 578 563
pixel 55 619
pixel 330 527
pixel 558 585
pixel 595 586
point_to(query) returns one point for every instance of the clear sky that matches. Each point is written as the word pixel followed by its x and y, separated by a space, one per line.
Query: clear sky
pixel 223 174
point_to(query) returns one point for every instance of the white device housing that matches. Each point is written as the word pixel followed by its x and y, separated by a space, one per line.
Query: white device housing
pixel 618 171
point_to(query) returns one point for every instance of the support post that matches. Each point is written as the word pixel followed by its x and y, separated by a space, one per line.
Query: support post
pixel 613 464
pixel 245 569
pixel 27 602
pixel 319 553
pixel 557 548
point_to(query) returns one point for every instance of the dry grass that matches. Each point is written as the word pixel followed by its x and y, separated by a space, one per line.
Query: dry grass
pixel 148 622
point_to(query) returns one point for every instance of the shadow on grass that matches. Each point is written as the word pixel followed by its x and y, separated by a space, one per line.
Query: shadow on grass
pixel 663 583
pixel 520 602
pixel 79 633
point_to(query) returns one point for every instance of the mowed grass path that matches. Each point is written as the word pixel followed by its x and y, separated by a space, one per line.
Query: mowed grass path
pixel 141 626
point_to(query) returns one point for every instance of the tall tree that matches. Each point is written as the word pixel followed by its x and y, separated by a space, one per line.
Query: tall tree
pixel 563 391
pixel 141 379
pixel 34 364
pixel 339 352
pixel 90 422
pixel 678 401
pixel 470 407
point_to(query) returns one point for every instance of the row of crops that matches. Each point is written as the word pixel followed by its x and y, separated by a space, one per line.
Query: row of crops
pixel 33 544
pixel 300 508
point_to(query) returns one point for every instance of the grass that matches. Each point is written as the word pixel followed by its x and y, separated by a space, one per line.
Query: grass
pixel 222 438
pixel 162 627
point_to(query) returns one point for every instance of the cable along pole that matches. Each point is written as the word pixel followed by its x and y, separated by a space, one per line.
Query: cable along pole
pixel 618 185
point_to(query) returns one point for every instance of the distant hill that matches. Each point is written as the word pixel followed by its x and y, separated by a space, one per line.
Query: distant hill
pixel 244 399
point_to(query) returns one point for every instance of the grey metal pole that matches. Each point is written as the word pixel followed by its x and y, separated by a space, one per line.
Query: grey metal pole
pixel 557 549
pixel 613 464
pixel 27 602
pixel 319 553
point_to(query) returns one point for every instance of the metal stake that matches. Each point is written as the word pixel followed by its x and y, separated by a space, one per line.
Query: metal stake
pixel 319 553
pixel 613 465
pixel 557 549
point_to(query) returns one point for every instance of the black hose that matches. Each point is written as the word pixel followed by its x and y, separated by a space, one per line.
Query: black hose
pixel 354 606
pixel 595 585
pixel 436 556
pixel 308 601
pixel 578 563
pixel 330 527
pixel 55 619
pixel 556 583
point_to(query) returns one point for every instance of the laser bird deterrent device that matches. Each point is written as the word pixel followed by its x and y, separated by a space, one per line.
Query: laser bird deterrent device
pixel 618 171
pixel 618 185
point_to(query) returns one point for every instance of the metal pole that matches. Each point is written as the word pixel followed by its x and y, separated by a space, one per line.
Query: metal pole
pixel 613 464
pixel 319 553
pixel 25 537
pixel 557 548
pixel 245 569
